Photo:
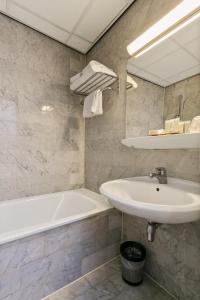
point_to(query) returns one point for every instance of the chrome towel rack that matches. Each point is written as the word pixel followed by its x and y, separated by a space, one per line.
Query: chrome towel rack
pixel 97 81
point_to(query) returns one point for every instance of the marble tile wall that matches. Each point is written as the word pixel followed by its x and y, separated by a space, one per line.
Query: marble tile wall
pixel 104 133
pixel 34 267
pixel 144 108
pixel 173 262
pixel 173 268
pixel 188 93
pixel 173 258
pixel 40 152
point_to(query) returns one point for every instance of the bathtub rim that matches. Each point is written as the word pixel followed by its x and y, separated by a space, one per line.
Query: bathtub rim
pixel 19 234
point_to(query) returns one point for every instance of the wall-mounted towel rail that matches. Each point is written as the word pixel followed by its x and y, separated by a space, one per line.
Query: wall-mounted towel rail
pixel 94 82
pixel 93 77
pixel 96 76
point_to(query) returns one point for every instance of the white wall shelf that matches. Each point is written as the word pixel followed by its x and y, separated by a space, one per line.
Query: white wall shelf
pixel 175 141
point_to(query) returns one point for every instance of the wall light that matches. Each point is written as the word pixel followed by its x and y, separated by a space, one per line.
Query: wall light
pixel 131 83
pixel 46 108
pixel 183 14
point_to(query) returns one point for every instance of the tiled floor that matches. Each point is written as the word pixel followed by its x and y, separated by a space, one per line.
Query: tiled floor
pixel 105 283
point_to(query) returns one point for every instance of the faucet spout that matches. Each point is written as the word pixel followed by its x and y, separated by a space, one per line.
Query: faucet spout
pixel 161 174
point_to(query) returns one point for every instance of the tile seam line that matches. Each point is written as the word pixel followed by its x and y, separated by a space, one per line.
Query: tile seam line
pixel 46 20
pixel 99 267
pixel 82 277
pixel 80 19
pixel 161 286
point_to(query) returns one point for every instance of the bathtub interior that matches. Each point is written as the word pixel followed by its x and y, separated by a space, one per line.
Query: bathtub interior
pixel 22 217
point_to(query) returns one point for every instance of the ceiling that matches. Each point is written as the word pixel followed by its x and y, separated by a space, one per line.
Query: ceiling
pixel 76 23
pixel 173 60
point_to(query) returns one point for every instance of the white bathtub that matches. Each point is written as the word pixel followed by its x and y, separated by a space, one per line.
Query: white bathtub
pixel 26 216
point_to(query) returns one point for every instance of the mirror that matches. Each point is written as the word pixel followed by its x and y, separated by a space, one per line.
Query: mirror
pixel 168 83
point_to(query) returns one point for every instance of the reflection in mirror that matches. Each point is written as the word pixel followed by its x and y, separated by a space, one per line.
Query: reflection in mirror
pixel 168 79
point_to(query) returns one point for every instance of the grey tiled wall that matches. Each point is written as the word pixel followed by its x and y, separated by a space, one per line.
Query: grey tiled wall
pixel 173 256
pixel 175 259
pixel 34 267
pixel 144 108
pixel 40 152
pixel 187 90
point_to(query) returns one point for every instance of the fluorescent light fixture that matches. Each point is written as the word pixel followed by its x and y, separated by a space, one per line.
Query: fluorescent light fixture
pixel 182 15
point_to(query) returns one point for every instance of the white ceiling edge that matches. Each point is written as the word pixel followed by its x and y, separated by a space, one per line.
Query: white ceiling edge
pixel 4 10
pixel 108 27
pixel 40 31
pixel 165 83
pixel 174 60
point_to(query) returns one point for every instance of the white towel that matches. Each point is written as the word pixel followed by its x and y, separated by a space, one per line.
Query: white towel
pixel 93 70
pixel 93 105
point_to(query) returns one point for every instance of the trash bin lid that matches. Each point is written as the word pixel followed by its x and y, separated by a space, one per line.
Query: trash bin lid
pixel 133 251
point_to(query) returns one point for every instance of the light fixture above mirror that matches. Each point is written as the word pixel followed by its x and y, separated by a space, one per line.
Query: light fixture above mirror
pixel 182 15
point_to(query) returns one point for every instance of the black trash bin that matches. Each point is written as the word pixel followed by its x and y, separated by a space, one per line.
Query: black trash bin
pixel 133 257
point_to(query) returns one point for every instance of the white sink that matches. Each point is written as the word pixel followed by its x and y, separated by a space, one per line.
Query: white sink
pixel 175 202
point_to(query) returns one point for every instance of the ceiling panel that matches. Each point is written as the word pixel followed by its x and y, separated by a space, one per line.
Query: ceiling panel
pixel 3 5
pixel 174 59
pixel 149 76
pixel 155 54
pixel 164 83
pixel 172 64
pixel 38 23
pixel 188 34
pixel 78 43
pixel 60 12
pixel 132 69
pixel 186 74
pixel 76 23
pixel 101 13
pixel 194 47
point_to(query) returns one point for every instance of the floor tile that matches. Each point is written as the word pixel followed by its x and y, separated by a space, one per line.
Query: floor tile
pixel 105 283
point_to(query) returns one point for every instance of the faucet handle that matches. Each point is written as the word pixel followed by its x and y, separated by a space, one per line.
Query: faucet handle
pixel 160 173
pixel 161 170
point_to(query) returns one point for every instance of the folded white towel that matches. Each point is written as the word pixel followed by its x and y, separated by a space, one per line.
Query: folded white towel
pixel 94 70
pixel 93 105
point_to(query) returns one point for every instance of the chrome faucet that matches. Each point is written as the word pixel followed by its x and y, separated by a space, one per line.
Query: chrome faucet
pixel 161 174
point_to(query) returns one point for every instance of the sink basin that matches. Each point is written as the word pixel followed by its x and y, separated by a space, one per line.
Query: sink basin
pixel 172 203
